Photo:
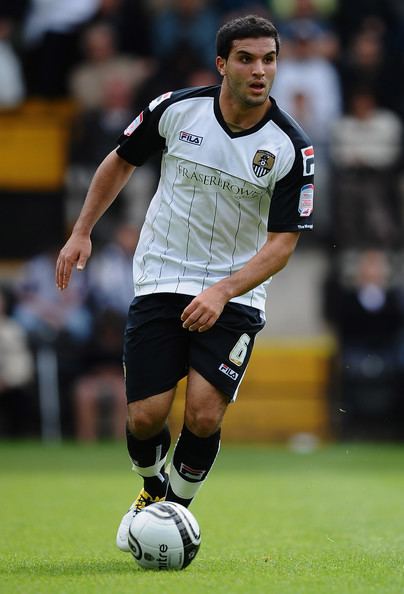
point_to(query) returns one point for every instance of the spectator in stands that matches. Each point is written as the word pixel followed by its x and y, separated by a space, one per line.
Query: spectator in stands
pixel 365 311
pixel 16 373
pixel 366 145
pixel 99 392
pixel 12 85
pixel 297 14
pixel 94 135
pixel 50 43
pixel 190 24
pixel 132 23
pixel 110 268
pixel 95 130
pixel 350 16
pixel 232 8
pixel 102 62
pixel 308 87
pixel 305 72
pixel 166 77
pixel 58 327
pixel 201 77
pixel 45 313
pixel 366 63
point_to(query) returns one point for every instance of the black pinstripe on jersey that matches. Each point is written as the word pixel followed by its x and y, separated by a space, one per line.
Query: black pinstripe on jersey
pixel 219 191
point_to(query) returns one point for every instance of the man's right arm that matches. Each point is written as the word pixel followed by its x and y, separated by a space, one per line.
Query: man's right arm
pixel 109 179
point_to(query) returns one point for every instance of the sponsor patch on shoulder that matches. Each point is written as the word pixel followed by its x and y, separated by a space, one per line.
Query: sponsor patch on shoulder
pixel 228 371
pixel 135 124
pixel 159 100
pixel 308 160
pixel 306 200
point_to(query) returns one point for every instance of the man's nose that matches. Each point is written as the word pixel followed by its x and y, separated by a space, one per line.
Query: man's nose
pixel 258 68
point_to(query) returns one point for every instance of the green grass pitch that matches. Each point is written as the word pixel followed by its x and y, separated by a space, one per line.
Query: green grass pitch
pixel 273 522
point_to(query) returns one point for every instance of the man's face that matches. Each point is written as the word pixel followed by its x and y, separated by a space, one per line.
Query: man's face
pixel 250 69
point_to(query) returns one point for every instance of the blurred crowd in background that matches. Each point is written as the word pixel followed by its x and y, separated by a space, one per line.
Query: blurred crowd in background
pixel 340 75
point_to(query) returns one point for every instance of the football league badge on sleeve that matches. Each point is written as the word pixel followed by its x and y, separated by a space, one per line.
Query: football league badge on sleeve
pixel 306 200
pixel 135 124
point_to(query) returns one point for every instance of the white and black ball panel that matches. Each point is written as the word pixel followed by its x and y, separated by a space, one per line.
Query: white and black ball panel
pixel 164 536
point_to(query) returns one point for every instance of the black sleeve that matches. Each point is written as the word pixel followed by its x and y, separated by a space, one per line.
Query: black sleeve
pixel 141 139
pixel 292 199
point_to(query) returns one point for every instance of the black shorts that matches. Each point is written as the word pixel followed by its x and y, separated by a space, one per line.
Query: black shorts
pixel 158 351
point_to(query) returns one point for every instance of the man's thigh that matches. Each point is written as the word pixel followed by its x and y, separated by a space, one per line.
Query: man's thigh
pixel 205 405
pixel 158 351
pixel 221 354
pixel 155 346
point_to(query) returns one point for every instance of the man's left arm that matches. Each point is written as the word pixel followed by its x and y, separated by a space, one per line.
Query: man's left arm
pixel 205 308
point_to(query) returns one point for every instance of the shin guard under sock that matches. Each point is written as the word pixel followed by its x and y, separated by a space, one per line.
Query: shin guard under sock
pixel 148 458
pixel 192 460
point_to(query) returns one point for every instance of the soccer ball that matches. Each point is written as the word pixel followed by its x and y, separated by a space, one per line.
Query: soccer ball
pixel 164 535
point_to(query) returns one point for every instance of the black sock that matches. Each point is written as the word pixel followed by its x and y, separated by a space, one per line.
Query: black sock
pixel 148 457
pixel 192 460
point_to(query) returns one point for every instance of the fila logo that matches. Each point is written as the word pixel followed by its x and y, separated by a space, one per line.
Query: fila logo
pixel 192 473
pixel 308 160
pixel 191 138
pixel 228 371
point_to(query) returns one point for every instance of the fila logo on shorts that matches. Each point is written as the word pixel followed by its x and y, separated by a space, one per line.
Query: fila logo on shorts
pixel 228 371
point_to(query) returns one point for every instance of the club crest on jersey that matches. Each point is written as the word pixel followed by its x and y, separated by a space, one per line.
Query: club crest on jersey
pixel 306 200
pixel 190 138
pixel 263 162
pixel 135 124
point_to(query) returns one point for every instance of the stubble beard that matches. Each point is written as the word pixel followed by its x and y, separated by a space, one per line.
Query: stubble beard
pixel 255 101
pixel 246 100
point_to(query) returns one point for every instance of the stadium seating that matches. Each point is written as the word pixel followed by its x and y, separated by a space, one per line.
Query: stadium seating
pixel 33 145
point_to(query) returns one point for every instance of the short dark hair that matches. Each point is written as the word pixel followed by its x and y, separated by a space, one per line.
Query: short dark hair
pixel 241 28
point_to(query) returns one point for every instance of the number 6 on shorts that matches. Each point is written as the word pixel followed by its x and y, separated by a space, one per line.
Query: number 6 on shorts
pixel 239 351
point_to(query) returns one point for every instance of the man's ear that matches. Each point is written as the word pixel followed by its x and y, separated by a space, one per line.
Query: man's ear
pixel 221 65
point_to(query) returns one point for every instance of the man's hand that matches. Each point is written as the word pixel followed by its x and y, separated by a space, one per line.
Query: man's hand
pixel 204 310
pixel 76 251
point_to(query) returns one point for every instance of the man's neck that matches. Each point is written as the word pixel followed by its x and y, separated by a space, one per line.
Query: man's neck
pixel 239 118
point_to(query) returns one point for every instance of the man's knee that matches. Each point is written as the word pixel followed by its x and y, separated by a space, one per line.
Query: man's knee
pixel 205 406
pixel 147 417
pixel 142 424
pixel 203 423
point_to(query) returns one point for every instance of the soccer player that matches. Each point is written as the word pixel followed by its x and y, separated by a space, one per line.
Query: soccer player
pixel 236 189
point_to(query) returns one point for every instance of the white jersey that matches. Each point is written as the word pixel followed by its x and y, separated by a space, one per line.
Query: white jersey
pixel 219 191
